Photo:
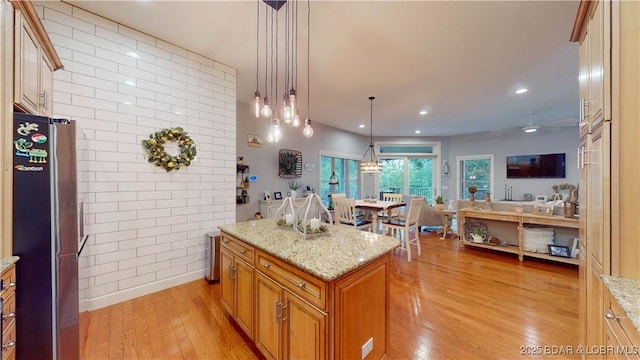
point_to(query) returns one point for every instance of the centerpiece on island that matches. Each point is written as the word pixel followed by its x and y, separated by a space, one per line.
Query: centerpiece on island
pixel 310 216
pixel 306 220
pixel 286 214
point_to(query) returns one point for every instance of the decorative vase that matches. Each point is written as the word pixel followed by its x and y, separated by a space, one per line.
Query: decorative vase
pixel 440 206
pixel 293 193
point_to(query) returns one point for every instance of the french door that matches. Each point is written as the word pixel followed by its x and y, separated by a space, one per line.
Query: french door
pixel 409 176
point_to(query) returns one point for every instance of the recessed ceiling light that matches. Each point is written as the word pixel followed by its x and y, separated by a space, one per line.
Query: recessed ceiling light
pixel 361 126
pixel 417 132
pixel 521 91
pixel 530 129
pixel 423 112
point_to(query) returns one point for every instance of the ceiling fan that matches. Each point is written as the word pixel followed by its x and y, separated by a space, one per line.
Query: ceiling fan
pixel 532 126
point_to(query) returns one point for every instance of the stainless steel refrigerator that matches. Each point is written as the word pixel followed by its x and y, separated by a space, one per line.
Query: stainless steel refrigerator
pixel 45 237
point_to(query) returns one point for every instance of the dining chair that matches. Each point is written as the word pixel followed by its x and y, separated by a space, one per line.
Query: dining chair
pixel 403 227
pixel 395 212
pixel 345 214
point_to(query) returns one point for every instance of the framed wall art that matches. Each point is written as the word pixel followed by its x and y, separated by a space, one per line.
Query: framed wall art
pixel 289 164
pixel 254 140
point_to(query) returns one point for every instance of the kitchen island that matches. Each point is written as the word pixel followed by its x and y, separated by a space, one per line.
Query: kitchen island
pixel 323 298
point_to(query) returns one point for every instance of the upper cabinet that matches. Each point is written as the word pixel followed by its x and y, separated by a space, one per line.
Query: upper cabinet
pixel 593 31
pixel 35 60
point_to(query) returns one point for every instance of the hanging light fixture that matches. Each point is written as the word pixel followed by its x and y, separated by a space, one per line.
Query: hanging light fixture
pixel 372 164
pixel 267 107
pixel 333 179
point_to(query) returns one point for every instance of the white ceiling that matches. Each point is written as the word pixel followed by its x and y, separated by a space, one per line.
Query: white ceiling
pixel 462 61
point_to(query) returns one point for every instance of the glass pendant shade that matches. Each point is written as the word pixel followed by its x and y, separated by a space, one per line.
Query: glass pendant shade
pixel 292 102
pixel 296 119
pixel 333 179
pixel 266 109
pixel 256 104
pixel 371 166
pixel 287 116
pixel 308 130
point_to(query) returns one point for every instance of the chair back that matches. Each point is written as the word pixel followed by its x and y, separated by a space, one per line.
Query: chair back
pixel 415 207
pixel 396 212
pixel 344 209
pixel 338 195
pixel 392 197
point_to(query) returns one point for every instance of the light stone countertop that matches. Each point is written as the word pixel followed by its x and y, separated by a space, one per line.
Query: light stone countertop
pixel 8 261
pixel 627 294
pixel 325 257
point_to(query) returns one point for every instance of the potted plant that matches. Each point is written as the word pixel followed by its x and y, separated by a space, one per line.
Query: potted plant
pixel 440 202
pixel 293 187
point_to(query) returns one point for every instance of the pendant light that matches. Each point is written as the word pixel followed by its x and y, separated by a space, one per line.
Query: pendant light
pixel 333 179
pixel 308 131
pixel 372 164
pixel 256 99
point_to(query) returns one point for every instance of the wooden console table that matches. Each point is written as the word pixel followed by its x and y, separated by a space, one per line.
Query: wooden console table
pixel 511 224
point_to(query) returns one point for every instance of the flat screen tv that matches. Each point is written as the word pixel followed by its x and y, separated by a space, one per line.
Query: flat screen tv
pixel 536 166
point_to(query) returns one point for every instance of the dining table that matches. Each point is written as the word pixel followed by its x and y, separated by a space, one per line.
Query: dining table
pixel 377 206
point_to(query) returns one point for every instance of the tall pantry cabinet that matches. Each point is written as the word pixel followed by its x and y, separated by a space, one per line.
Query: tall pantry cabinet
pixel 609 37
pixel 27 63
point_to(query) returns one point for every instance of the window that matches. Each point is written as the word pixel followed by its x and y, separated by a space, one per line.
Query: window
pixel 347 171
pixel 475 170
pixel 408 175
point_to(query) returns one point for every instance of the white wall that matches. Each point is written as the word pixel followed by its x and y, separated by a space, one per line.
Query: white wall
pixel 147 226
pixel 546 141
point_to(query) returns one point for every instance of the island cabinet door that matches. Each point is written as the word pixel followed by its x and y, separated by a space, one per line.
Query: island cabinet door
pixel 304 329
pixel 243 277
pixel 268 317
pixel 226 281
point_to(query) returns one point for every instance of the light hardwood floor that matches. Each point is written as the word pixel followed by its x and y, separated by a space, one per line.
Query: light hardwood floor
pixel 446 304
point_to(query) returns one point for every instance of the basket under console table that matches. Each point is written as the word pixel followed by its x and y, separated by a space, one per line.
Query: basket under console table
pixel 509 227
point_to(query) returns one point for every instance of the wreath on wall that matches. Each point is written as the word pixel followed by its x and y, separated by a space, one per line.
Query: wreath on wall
pixel 155 149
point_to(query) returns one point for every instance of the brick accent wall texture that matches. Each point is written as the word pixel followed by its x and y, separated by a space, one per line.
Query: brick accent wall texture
pixel 147 227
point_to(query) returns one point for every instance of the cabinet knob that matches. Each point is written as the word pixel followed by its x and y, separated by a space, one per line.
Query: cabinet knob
pixel 6 286
pixel 8 345
pixel 225 241
pixel 9 315
pixel 302 285
pixel 267 265
pixel 243 252
pixel 611 316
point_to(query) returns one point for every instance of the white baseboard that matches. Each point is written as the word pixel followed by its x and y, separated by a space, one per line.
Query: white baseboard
pixel 128 294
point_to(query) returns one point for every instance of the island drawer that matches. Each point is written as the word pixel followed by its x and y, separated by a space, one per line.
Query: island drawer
pixel 8 311
pixel 298 282
pixel 238 248
pixel 8 281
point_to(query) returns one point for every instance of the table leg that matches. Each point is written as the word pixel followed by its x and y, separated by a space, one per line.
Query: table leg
pixel 445 227
pixel 374 221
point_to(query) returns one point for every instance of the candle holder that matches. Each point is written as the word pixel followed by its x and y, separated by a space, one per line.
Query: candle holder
pixel 286 214
pixel 313 219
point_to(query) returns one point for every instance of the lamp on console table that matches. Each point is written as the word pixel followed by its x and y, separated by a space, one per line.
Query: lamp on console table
pixel 472 195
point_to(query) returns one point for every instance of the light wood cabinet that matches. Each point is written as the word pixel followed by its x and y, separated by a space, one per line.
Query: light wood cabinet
pixel 609 36
pixel 8 294
pixel 35 61
pixel 299 316
pixel 594 66
pixel 287 327
pixel 237 281
pixel 622 338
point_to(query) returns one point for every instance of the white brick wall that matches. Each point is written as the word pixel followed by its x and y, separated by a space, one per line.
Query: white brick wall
pixel 147 226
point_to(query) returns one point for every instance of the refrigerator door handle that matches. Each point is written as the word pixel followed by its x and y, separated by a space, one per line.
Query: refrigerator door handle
pixel 82 243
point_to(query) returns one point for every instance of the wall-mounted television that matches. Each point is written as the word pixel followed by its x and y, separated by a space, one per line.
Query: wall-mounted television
pixel 536 166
